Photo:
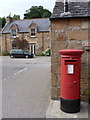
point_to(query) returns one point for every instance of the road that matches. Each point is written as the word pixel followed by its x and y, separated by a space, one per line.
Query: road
pixel 0 88
pixel 26 87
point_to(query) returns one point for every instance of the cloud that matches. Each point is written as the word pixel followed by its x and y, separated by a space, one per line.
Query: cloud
pixel 73 0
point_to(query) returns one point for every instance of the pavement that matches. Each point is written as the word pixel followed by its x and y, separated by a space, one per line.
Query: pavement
pixel 54 111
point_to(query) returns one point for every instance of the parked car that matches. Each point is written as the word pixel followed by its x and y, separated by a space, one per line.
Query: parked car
pixel 19 53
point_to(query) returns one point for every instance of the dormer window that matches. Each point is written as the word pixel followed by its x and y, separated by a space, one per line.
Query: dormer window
pixel 32 29
pixel 33 32
pixel 13 32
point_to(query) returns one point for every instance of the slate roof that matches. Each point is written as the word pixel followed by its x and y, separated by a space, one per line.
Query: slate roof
pixel 77 9
pixel 43 25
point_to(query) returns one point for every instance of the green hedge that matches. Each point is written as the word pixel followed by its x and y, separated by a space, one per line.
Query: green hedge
pixel 5 54
pixel 45 53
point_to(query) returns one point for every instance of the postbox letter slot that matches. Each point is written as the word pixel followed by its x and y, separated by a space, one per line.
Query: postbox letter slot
pixel 70 60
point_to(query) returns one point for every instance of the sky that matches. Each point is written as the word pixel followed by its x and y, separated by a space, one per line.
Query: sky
pixel 19 7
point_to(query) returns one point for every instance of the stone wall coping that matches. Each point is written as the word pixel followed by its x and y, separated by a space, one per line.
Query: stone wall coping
pixel 69 17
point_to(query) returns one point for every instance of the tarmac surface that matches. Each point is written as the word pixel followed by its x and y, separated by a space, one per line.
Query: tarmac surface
pixel 0 88
pixel 26 87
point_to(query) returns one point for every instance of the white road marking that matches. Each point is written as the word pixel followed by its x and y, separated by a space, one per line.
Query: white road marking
pixel 17 73
pixel 20 71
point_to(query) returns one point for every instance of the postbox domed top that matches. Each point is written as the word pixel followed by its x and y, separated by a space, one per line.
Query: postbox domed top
pixel 71 52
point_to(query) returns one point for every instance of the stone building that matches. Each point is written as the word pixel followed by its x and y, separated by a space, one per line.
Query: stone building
pixel 35 31
pixel 0 33
pixel 70 30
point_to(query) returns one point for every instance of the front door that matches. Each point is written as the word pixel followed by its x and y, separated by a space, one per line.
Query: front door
pixel 33 48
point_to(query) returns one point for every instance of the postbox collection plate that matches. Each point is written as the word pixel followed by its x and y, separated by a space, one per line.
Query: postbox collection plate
pixel 70 69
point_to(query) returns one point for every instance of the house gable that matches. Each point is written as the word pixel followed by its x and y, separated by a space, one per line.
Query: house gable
pixel 33 25
pixel 13 26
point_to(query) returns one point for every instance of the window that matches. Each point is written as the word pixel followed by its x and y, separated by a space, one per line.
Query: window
pixel 32 32
pixel 13 46
pixel 13 33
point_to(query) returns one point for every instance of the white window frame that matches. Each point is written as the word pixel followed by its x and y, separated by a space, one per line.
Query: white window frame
pixel 32 32
pixel 14 34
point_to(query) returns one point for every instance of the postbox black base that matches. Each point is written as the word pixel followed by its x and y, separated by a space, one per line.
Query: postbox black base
pixel 70 106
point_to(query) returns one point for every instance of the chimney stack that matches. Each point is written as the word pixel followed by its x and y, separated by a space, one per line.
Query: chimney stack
pixel 9 18
pixel 65 13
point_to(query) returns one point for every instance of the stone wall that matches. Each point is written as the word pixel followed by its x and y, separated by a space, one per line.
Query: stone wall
pixel 88 55
pixel 70 33
pixel 0 43
pixel 42 40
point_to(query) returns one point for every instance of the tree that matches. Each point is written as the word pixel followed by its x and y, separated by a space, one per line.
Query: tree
pixel 3 21
pixel 37 12
pixel 16 17
pixel 20 44
pixel 46 13
pixel 0 23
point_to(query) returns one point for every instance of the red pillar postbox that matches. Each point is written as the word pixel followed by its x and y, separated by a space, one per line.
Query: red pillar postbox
pixel 70 80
